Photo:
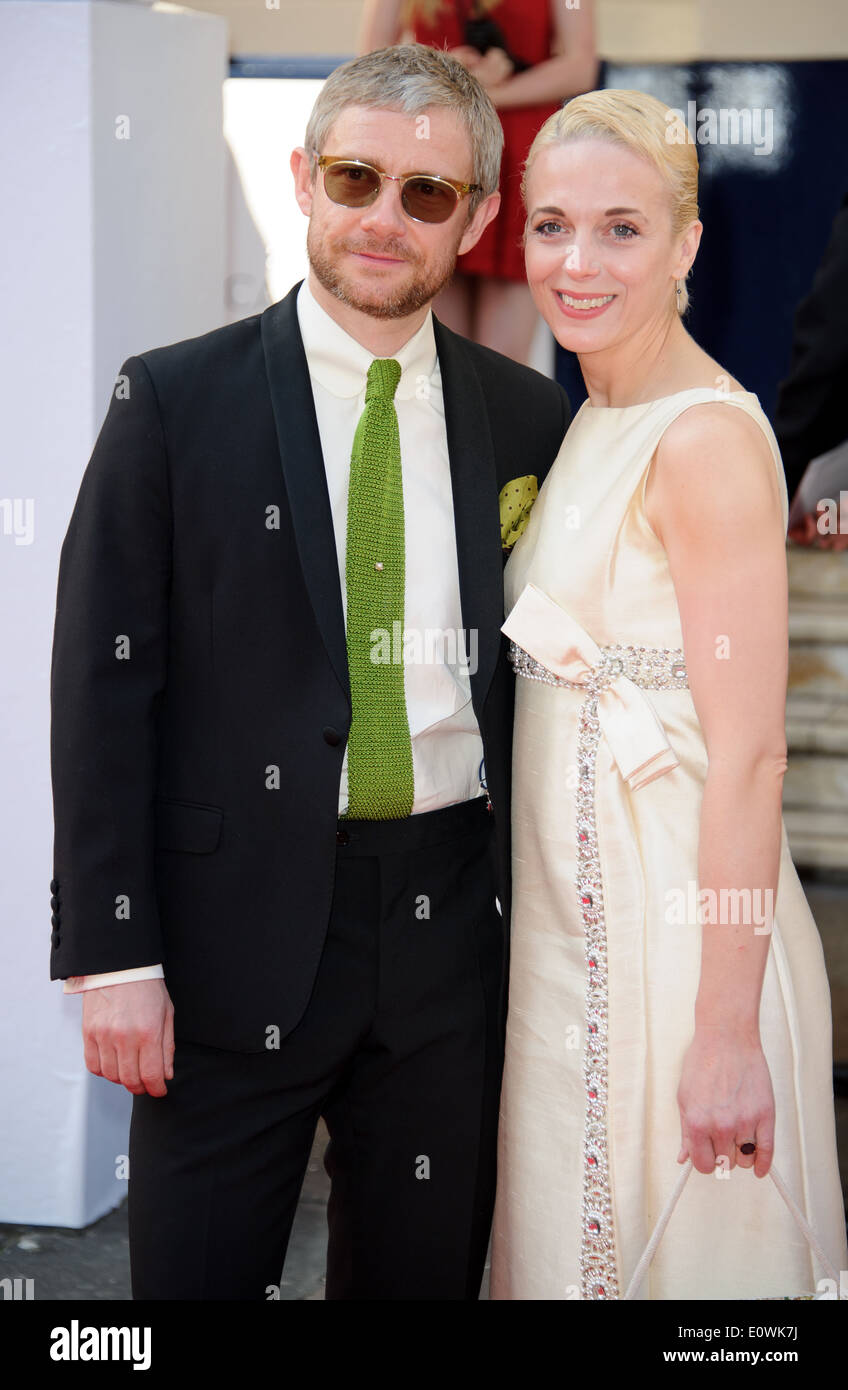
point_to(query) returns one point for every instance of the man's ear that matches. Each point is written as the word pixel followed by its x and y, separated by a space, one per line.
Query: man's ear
pixel 304 187
pixel 479 222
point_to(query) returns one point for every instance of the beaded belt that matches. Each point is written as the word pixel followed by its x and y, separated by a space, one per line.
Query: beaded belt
pixel 651 668
pixel 648 668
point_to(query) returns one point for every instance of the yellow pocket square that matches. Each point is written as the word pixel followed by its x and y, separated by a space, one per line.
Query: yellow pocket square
pixel 515 501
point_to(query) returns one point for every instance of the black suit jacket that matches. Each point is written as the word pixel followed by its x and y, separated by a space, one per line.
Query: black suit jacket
pixel 810 418
pixel 199 685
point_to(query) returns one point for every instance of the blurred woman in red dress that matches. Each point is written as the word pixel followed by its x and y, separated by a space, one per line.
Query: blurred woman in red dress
pixel 538 53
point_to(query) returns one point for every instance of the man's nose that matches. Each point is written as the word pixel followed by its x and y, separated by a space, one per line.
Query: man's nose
pixel 386 213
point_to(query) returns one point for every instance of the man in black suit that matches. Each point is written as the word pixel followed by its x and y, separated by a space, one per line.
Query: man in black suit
pixel 810 417
pixel 235 931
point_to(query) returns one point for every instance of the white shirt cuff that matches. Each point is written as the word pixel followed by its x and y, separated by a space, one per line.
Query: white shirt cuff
pixel 75 984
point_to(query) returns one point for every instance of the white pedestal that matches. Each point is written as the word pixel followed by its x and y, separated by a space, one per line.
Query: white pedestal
pixel 113 241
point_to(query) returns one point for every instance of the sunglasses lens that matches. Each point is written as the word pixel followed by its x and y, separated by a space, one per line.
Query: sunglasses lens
pixel 353 185
pixel 428 201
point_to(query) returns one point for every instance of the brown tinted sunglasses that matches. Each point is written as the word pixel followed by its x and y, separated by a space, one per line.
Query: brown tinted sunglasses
pixel 424 197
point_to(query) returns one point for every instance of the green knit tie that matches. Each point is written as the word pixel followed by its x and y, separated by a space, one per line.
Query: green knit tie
pixel 379 750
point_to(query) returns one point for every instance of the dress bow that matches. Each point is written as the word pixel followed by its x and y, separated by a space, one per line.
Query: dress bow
pixel 628 720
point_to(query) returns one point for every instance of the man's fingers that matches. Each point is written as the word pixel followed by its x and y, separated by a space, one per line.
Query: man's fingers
pixel 151 1067
pixel 108 1061
pixel 127 1049
pixel 168 1046
pixel 91 1054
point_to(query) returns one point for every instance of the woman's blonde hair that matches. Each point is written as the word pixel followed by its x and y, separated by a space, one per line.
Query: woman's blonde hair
pixel 642 124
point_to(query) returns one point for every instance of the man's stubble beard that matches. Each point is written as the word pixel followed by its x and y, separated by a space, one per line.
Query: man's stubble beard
pixel 418 292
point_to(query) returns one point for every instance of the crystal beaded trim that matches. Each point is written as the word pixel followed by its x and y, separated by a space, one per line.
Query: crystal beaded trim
pixel 652 668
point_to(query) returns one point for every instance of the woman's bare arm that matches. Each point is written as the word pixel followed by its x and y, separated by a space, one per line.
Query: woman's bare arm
pixel 713 500
pixel 381 24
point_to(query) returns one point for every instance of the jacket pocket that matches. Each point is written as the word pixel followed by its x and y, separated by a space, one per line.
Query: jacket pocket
pixel 186 825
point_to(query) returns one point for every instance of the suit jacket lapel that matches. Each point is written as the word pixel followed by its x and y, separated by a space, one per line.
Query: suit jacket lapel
pixel 303 470
pixel 475 504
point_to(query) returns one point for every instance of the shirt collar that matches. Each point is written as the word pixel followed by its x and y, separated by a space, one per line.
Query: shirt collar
pixel 340 364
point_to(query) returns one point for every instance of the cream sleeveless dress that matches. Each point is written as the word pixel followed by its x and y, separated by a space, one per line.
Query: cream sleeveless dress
pixel 605 952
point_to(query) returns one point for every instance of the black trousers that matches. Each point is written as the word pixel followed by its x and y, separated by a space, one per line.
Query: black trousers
pixel 400 1049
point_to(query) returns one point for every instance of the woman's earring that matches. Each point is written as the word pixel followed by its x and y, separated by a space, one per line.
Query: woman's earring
pixel 679 288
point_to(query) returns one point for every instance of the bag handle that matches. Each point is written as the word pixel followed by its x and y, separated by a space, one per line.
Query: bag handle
pixel 665 1216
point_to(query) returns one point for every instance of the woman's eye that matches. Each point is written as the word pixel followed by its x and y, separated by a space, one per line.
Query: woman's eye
pixel 548 228
pixel 624 231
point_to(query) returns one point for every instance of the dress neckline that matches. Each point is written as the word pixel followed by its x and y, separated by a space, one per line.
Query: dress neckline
pixel 640 405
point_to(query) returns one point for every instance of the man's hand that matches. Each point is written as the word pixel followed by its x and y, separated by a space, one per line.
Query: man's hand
pixel 128 1033
pixel 805 530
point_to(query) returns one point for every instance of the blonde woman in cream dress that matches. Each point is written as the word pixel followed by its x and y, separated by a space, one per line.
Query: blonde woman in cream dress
pixel 654 1015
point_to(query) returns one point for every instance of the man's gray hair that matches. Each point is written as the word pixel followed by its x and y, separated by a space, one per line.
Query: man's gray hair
pixel 412 77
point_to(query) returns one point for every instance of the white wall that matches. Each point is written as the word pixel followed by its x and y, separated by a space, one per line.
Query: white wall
pixel 107 247
pixel 264 120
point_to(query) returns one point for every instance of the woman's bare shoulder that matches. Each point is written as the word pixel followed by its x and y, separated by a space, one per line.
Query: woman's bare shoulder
pixel 711 457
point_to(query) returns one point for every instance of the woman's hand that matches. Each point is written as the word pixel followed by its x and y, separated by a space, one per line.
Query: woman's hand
pixel 494 67
pixel 467 55
pixel 726 1100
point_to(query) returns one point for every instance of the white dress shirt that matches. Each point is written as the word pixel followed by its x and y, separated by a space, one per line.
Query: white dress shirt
pixel 447 749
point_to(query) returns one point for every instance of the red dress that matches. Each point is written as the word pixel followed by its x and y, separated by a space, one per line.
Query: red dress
pixel 528 29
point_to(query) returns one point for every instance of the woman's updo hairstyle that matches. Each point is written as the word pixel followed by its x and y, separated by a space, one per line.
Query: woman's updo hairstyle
pixel 642 124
